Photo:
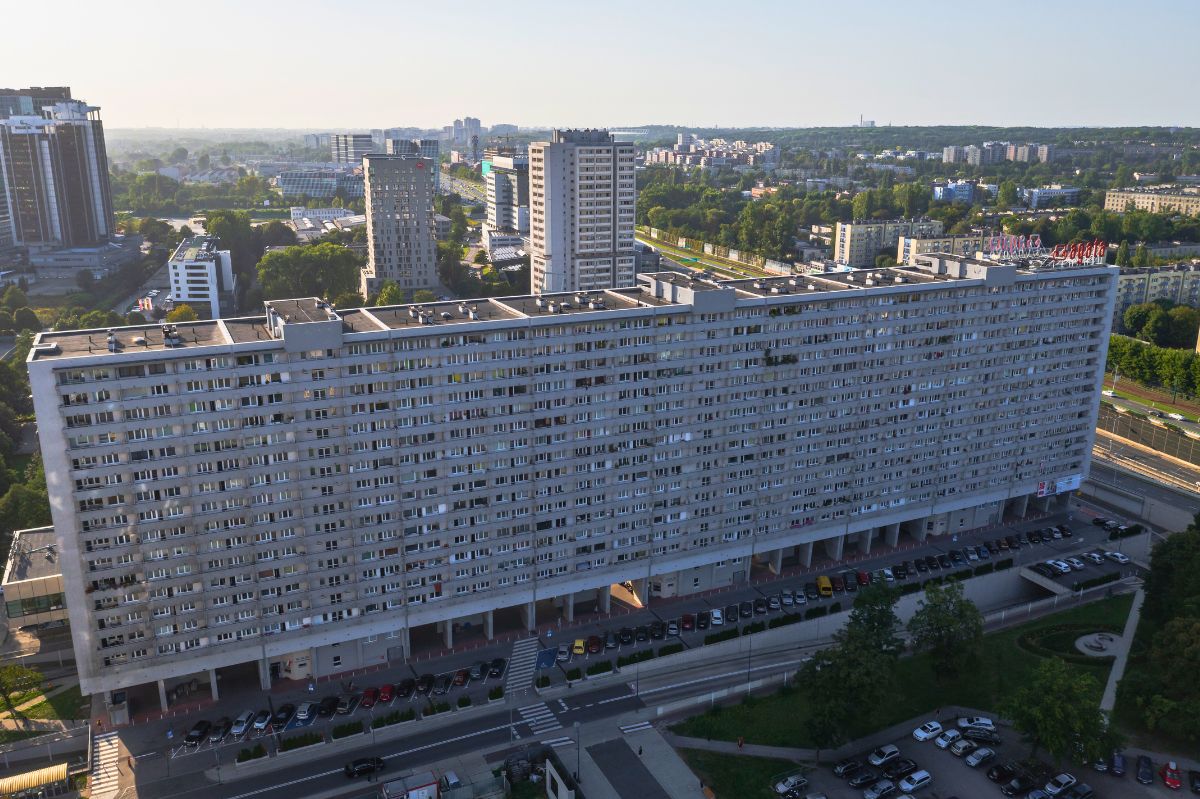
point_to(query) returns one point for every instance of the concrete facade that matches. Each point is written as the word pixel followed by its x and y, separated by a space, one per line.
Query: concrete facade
pixel 401 229
pixel 302 488
pixel 858 243
pixel 202 276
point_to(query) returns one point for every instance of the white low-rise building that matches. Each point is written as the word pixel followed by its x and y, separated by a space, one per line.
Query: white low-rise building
pixel 202 277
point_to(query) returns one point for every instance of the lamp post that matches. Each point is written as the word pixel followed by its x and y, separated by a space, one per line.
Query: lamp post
pixel 578 756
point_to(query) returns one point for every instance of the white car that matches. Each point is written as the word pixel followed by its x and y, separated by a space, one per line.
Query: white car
pixel 1059 784
pixel 717 617
pixel 242 723
pixel 948 737
pixel 1108 393
pixel 1176 416
pixel 884 754
pixel 976 723
pixel 793 783
pixel 1076 563
pixel 916 781
pixel 305 711
pixel 1094 557
pixel 930 729
pixel 1117 557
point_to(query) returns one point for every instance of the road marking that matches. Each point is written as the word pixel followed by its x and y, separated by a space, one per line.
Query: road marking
pixel 557 742
pixel 641 725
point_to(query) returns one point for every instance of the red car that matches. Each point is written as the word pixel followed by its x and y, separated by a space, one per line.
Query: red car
pixel 689 622
pixel 386 693
pixel 595 644
pixel 1170 776
pixel 369 697
pixel 864 578
pixel 462 676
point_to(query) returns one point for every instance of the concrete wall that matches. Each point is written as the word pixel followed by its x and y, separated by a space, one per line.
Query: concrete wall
pixel 1153 511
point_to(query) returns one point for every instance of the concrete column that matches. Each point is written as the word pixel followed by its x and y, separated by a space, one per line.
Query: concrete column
pixel 488 626
pixel 604 597
pixel 804 554
pixel 776 564
pixel 264 673
pixel 529 614
pixel 212 683
pixel 891 535
pixel 1021 505
pixel 834 546
pixel 920 533
pixel 162 695
pixel 641 587
pixel 405 643
pixel 448 633
pixel 865 539
pixel 569 606
pixel 1042 504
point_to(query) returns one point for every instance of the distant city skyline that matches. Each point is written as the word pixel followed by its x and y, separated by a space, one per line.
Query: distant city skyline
pixel 774 64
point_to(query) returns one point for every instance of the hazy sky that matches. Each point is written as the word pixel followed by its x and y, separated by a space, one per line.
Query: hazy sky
pixel 370 63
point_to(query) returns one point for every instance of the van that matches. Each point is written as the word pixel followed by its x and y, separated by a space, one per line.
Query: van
pixel 824 586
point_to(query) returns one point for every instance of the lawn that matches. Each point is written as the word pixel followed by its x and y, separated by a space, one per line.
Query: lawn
pixel 1004 665
pixel 67 706
pixel 12 736
pixel 737 776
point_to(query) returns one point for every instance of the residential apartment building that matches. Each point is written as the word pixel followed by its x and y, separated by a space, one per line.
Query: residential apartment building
pixel 202 277
pixel 401 230
pixel 300 489
pixel 419 148
pixel 349 148
pixel 1184 201
pixel 858 243
pixel 55 177
pixel 507 198
pixel 954 154
pixel 989 153
pixel 318 215
pixel 1053 196
pixel 582 200
pixel 1179 283
pixel 909 247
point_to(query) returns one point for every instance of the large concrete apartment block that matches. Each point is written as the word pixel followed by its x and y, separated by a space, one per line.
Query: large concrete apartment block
pixel 260 490
pixel 858 243
pixel 401 229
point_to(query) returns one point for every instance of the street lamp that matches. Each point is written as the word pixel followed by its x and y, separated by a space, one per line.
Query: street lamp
pixel 578 756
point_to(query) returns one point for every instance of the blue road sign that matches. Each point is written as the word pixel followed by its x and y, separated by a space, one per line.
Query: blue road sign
pixel 545 658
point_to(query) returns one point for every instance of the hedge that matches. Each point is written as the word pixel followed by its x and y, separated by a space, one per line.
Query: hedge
pixel 344 730
pixel 784 620
pixel 965 574
pixel 572 674
pixel 909 588
pixel 437 707
pixel 756 627
pixel 600 667
pixel 395 717
pixel 1004 564
pixel 300 741
pixel 1095 581
pixel 724 635
pixel 251 754
pixel 836 607
pixel 984 568
pixel 464 701
pixel 498 691
pixel 814 612
pixel 543 681
pixel 637 657
pixel 669 649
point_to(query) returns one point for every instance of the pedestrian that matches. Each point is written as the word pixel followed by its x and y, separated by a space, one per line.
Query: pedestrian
pixel 741 742
pixel 639 751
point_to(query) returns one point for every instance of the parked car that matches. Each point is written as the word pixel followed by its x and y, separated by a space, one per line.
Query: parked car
pixel 774 603
pixel 794 782
pixel 760 606
pixel 880 789
pixel 927 731
pixel 916 781
pixel 610 640
pixel 863 579
pixel 1075 563
pixel 1169 774
pixel 861 778
pixel 672 628
pixel 1078 791
pixel 687 623
pixel 1194 781
pixel 981 736
pixel 921 566
pixel 197 733
pixel 980 756
pixel 262 720
pixel 1003 772
pixel 849 581
pixel 731 614
pixel 900 768
pixel 1145 770
pixel 976 722
pixel 363 766
pixel 1059 783
pixel 641 633
pixel 702 620
pixel 424 684
pixel 746 609
pixel 497 668
pixel 461 677
pixel 1018 785
pixel 658 630
pixel 963 747
pixel 443 684
pixel 1117 557
pixel 810 592
pixel 283 716
pixel 847 767
pixel 306 711
pixel 347 702
pixel 1100 521
pixel 884 755
pixel 1094 557
pixel 946 738
pixel 839 587
pixel 717 617
pixel 787 597
pixel 626 634
pixel 387 692
pixel 1035 536
pixel 1116 764
pixel 564 651
pixel 370 697
pixel 408 686
pixel 220 729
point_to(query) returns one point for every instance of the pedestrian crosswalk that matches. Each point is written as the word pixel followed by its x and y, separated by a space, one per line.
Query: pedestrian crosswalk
pixel 106 756
pixel 559 742
pixel 522 665
pixel 540 718
pixel 637 727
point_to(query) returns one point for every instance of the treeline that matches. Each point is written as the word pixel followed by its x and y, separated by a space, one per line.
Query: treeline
pixel 24 501
pixel 1162 323
pixel 1176 370
pixel 152 193
pixel 1080 224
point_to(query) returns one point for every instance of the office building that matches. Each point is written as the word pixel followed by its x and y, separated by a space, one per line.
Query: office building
pixel 1053 196
pixel 1185 201
pixel 318 215
pixel 909 247
pixel 582 199
pixel 301 489
pixel 318 141
pixel 401 231
pixel 349 148
pixel 858 243
pixel 419 148
pixel 507 197
pixel 30 102
pixel 202 277
pixel 32 587
pixel 55 177
pixel 965 191
pixel 320 184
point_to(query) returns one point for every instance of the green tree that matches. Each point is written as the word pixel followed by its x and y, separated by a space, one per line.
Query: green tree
pixel 390 294
pixel 481 257
pixel 1157 327
pixel 84 280
pixel 135 318
pixel 1122 178
pixel 1136 316
pixel 16 679
pixel 26 319
pixel 424 295
pixel 235 233
pixel 1123 253
pixel 1006 194
pixel 203 161
pixel 348 299
pixel 949 627
pixel 276 234
pixel 182 313
pixel 1141 256
pixel 14 298
pixel 1059 711
pixel 179 155
pixel 6 320
pixel 319 270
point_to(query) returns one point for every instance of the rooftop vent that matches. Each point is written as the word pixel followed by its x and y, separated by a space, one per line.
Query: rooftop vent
pixel 446 315
pixel 812 287
pixel 900 279
pixel 46 348
pixel 539 302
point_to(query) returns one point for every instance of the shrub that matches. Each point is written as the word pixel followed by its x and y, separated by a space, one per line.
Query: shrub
pixel 724 635
pixel 784 620
pixel 464 701
pixel 984 568
pixel 343 730
pixel 756 627
pixel 1004 564
pixel 636 657
pixel 300 741
pixel 498 691
pixel 669 649
pixel 909 588
pixel 437 707
pixel 251 754
pixel 816 612
pixel 574 674
pixel 933 581
pixel 836 607
pixel 395 717
pixel 1095 581
pixel 600 667
pixel 543 681
pixel 965 574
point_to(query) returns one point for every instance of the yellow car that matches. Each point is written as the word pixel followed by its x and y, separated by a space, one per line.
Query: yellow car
pixel 577 648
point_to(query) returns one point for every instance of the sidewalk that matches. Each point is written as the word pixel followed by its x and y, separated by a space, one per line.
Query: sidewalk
pixel 731 748
pixel 1122 656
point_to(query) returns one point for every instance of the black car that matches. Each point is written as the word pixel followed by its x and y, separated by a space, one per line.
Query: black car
pixel 703 618
pixel 1019 785
pixel 760 606
pixel 1066 531
pixel 1080 790
pixel 1100 521
pixel 956 557
pixel 899 769
pixel 981 736
pixel 282 716
pixel 363 766
pixel 847 767
pixel 406 687
pixel 220 729
pixel 497 669
pixel 1013 542
pixel 1035 536
pixel 327 707
pixel 1003 772
pixel 861 778
pixel 1194 781
pixel 992 547
pixel 1023 539
pixel 197 733
pixel 731 614
pixel 746 609
pixel 810 592
pixel 425 683
pixel 900 571
pixel 1145 770
pixel 625 635
pixel 920 565
pixel 443 684
pixel 610 640
pixel 658 630
pixel 851 581
pixel 944 561
pixel 642 633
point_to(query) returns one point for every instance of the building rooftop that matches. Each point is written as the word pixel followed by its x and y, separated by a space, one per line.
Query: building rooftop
pixel 34 555
pixel 196 248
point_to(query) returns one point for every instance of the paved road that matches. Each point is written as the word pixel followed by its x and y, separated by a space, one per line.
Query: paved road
pixel 1102 472
pixel 1148 410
